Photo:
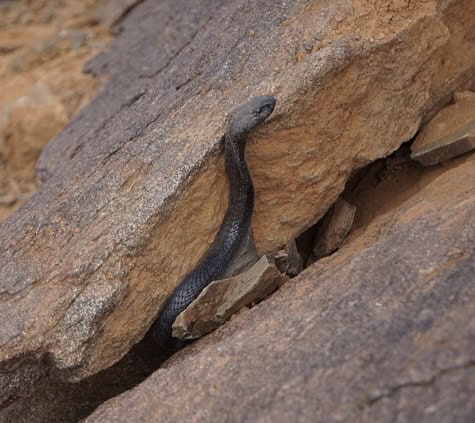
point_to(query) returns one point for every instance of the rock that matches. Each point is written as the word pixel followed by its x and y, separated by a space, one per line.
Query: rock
pixel 245 258
pixel 111 12
pixel 449 134
pixel 221 299
pixel 294 259
pixel 333 230
pixel 372 333
pixel 134 188
pixel 281 260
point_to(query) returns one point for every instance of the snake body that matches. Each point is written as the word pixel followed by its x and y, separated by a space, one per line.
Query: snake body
pixel 236 223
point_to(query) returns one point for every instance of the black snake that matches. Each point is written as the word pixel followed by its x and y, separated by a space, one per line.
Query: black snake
pixel 236 223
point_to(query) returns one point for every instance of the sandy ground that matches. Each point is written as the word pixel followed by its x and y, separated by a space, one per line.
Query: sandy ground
pixel 44 45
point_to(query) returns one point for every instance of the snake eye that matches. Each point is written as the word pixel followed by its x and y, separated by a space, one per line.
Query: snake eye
pixel 261 110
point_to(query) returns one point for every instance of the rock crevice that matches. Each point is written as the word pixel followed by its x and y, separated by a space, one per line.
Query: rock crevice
pixel 134 187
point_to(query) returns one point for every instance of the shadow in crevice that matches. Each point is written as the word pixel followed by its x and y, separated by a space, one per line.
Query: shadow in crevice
pixel 55 399
pixel 365 191
pixel 138 364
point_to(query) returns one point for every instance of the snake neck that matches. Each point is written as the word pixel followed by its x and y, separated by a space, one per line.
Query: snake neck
pixel 239 177
pixel 237 220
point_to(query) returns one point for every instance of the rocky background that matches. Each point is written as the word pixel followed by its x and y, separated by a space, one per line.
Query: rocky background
pixel 365 198
pixel 43 47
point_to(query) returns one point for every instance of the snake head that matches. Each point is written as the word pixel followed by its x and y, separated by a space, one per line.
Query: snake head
pixel 246 117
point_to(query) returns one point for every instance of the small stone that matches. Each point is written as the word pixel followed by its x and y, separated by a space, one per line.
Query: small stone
pixel 334 228
pixel 459 142
pixel 294 258
pixel 78 39
pixel 464 96
pixel 300 56
pixel 449 134
pixel 245 258
pixel 281 260
pixel 222 298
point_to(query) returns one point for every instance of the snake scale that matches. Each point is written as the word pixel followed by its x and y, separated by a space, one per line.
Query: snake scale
pixel 236 223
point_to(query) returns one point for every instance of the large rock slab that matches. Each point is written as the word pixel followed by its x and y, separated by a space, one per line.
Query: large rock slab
pixel 134 187
pixel 379 333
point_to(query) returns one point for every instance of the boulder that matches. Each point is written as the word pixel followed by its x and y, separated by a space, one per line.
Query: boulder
pixel 369 334
pixel 134 188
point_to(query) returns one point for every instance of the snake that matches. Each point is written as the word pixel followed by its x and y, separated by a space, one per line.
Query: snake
pixel 235 226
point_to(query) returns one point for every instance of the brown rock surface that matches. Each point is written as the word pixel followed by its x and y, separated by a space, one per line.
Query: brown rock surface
pixel 134 188
pixel 379 333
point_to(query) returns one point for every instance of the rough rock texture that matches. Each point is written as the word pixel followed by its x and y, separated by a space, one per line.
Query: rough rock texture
pixel 134 187
pixel 379 333
pixel 221 299
pixel 449 134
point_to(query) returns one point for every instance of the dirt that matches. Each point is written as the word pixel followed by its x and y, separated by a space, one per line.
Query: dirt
pixel 383 187
pixel 377 190
pixel 44 45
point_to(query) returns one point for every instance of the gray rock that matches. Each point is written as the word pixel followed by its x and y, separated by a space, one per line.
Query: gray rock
pixel 449 134
pixel 333 230
pixel 112 12
pixel 245 258
pixel 294 259
pixel 281 259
